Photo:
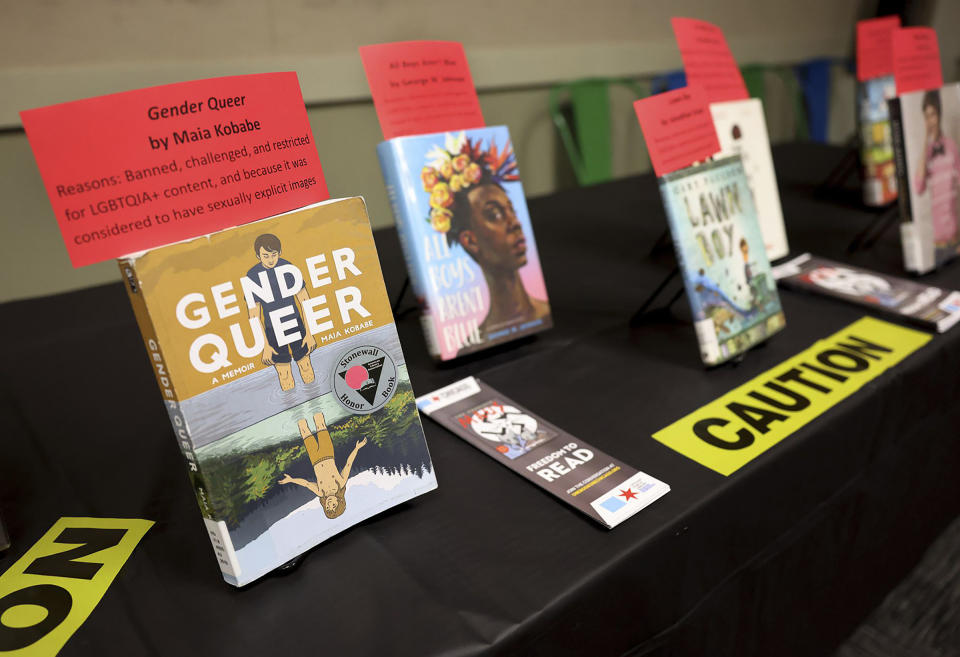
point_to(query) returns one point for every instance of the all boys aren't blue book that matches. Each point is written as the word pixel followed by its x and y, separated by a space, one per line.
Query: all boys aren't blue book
pixel 467 239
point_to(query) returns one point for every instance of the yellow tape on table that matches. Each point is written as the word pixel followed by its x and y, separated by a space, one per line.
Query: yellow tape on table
pixel 729 432
pixel 51 590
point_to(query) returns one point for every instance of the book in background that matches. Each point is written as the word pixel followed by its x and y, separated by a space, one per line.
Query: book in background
pixel 278 358
pixel 720 250
pixel 926 131
pixel 742 130
pixel 926 305
pixel 876 142
pixel 466 236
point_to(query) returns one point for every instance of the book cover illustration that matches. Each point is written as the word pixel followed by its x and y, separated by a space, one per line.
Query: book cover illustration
pixel 280 366
pixel 876 142
pixel 929 306
pixel 742 130
pixel 927 131
pixel 727 276
pixel 467 239
pixel 604 488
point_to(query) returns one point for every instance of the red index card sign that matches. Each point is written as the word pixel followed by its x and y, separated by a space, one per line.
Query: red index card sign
pixel 678 128
pixel 916 60
pixel 419 87
pixel 875 46
pixel 707 60
pixel 138 169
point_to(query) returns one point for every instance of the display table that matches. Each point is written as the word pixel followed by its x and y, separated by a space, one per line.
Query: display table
pixel 784 557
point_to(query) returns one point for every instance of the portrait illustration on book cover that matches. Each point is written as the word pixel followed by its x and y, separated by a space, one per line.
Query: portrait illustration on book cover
pixel 470 207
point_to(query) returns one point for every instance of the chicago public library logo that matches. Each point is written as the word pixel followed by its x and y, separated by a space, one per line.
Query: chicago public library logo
pixel 364 379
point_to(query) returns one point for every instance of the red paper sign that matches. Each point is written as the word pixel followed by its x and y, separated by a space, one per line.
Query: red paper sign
pixel 916 60
pixel 707 60
pixel 419 87
pixel 138 169
pixel 678 128
pixel 875 46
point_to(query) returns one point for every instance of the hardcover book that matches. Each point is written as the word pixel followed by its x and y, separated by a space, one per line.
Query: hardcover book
pixel 727 276
pixel 926 129
pixel 466 236
pixel 926 305
pixel 279 363
pixel 742 130
pixel 876 142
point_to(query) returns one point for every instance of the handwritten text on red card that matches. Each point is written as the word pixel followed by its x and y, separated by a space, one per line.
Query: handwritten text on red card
pixel 875 46
pixel 678 128
pixel 707 60
pixel 419 87
pixel 134 170
pixel 916 60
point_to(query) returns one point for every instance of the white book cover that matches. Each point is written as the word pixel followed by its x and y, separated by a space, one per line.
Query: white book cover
pixel 742 130
pixel 926 136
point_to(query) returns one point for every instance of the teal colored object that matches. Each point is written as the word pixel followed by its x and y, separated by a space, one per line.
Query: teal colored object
pixel 581 112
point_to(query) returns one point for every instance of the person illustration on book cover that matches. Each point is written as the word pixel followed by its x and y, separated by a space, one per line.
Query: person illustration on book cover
pixel 940 171
pixel 470 206
pixel 331 484
pixel 267 248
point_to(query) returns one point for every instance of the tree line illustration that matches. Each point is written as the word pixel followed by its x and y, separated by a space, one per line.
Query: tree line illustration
pixel 240 482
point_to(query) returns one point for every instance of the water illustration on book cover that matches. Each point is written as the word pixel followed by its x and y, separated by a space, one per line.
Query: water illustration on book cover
pixel 467 239
pixel 281 369
pixel 725 269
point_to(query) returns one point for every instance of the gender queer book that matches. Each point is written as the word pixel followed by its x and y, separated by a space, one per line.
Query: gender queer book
pixel 719 247
pixel 742 130
pixel 925 305
pixel 926 131
pixel 278 359
pixel 466 236
pixel 876 141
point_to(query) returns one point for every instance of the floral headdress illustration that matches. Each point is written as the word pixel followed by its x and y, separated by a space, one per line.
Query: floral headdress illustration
pixel 456 167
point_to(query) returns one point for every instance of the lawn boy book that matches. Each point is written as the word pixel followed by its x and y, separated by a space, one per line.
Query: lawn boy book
pixel 876 142
pixel 466 236
pixel 279 363
pixel 602 487
pixel 926 305
pixel 742 130
pixel 719 247
pixel 926 128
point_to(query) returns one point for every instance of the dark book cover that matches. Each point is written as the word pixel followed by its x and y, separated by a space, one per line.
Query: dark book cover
pixel 925 305
pixel 602 487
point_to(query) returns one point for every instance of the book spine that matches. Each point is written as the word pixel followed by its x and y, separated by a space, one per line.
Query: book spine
pixel 398 187
pixel 216 527
pixel 909 239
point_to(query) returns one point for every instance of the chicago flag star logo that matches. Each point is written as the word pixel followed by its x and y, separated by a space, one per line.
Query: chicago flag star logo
pixel 627 494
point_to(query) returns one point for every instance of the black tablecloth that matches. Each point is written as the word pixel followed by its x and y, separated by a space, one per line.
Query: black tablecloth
pixel 782 558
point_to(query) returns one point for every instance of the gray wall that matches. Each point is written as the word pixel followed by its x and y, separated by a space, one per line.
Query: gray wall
pixel 56 51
